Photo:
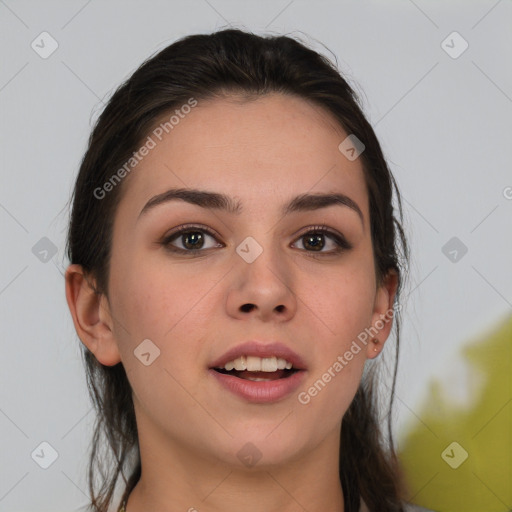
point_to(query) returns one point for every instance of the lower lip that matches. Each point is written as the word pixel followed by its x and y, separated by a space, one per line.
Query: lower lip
pixel 260 392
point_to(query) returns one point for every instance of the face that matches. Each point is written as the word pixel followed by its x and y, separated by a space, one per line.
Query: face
pixel 258 274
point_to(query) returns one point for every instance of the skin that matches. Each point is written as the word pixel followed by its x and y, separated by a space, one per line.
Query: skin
pixel 263 153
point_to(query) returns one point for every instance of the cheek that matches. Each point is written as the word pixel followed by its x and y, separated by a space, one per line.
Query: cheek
pixel 342 308
pixel 340 302
pixel 329 392
pixel 161 303
pixel 170 305
pixel 154 297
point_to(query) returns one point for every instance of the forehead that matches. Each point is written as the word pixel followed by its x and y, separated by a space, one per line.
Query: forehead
pixel 266 149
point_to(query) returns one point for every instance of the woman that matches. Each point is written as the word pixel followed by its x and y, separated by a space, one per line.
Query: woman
pixel 235 263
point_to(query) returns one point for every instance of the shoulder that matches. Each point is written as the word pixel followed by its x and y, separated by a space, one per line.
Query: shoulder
pixel 84 508
pixel 90 508
pixel 410 507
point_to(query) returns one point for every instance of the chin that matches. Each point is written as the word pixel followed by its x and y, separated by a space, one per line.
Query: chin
pixel 257 450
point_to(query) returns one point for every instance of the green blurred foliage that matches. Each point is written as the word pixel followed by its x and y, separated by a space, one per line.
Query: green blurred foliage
pixel 483 481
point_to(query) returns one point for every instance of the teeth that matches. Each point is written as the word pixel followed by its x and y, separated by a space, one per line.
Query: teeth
pixel 239 364
pixel 254 364
pixel 269 364
pixel 258 364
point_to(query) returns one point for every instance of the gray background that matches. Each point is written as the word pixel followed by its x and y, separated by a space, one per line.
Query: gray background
pixel 444 124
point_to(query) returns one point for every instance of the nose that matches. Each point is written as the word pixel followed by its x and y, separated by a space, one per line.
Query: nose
pixel 262 289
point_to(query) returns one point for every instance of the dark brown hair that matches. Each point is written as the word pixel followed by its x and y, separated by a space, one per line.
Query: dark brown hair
pixel 206 67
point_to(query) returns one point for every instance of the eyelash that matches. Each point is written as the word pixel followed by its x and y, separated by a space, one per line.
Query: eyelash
pixel 341 242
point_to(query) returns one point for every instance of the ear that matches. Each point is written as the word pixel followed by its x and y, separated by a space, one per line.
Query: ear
pixel 91 315
pixel 382 317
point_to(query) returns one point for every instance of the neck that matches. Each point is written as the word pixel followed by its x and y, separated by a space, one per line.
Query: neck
pixel 181 479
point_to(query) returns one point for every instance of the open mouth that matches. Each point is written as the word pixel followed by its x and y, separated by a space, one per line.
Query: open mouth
pixel 258 376
pixel 260 380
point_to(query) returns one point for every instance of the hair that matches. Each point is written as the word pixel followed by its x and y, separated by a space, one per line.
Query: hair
pixel 209 66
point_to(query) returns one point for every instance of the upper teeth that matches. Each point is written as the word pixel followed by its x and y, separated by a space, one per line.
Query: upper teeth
pixel 258 364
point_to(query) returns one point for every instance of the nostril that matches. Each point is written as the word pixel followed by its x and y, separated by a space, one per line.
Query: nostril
pixel 247 307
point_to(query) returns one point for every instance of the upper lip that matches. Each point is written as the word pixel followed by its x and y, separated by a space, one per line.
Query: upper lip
pixel 260 349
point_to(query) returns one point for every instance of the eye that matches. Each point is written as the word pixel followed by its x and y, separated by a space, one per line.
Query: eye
pixel 193 239
pixel 314 240
pixel 190 239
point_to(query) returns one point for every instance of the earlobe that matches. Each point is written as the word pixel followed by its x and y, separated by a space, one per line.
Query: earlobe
pixel 91 316
pixel 383 314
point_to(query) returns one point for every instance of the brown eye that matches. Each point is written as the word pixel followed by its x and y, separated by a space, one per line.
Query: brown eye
pixel 319 238
pixel 192 240
pixel 188 239
pixel 314 241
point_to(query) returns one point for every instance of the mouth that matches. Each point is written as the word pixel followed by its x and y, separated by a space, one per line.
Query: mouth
pixel 258 376
pixel 266 374
pixel 257 369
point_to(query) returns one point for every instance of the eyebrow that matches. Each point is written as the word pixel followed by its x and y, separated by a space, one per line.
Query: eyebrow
pixel 217 201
